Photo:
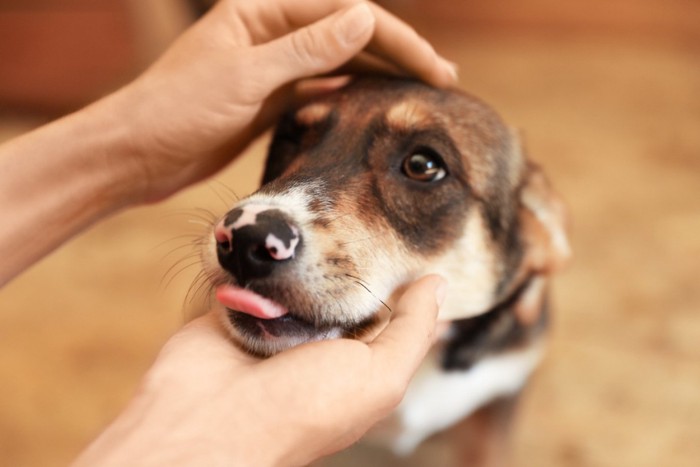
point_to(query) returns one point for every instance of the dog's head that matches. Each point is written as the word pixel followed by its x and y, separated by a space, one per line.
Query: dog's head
pixel 365 190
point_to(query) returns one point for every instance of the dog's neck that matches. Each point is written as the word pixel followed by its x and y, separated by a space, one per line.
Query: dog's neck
pixel 498 328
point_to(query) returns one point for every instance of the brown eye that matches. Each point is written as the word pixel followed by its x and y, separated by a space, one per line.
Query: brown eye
pixel 424 167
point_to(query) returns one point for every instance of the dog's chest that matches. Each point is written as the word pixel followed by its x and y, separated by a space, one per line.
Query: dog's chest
pixel 437 399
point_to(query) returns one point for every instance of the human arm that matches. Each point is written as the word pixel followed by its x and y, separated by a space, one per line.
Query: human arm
pixel 219 86
pixel 205 402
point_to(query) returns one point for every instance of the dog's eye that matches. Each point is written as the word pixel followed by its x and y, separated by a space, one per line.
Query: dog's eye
pixel 424 166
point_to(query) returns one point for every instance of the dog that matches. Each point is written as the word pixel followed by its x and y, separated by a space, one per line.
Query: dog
pixel 370 187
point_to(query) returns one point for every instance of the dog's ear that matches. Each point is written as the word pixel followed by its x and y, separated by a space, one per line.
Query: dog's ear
pixel 543 223
pixel 283 148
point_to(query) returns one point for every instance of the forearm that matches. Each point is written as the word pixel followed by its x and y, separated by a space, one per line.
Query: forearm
pixel 59 179
pixel 190 426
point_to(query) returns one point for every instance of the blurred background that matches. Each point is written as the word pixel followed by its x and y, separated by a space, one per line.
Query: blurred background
pixel 607 95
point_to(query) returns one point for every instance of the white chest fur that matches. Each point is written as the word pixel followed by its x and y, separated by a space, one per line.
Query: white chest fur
pixel 437 399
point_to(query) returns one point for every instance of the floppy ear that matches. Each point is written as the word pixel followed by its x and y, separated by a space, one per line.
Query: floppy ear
pixel 283 148
pixel 543 221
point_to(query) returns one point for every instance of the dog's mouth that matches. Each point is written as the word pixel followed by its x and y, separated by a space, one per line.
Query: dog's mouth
pixel 289 330
pixel 250 303
pixel 256 320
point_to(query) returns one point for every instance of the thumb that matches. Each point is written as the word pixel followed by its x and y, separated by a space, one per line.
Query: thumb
pixel 409 334
pixel 317 48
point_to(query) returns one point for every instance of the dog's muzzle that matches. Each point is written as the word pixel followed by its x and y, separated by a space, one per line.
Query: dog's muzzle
pixel 254 241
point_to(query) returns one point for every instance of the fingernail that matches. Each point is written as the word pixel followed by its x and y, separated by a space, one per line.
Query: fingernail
pixel 452 69
pixel 354 23
pixel 441 292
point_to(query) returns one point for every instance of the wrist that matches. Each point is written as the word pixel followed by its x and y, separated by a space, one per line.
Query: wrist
pixel 119 181
pixel 60 179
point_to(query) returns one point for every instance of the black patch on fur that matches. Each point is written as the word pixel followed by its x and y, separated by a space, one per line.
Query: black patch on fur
pixel 512 254
pixel 284 148
pixel 232 216
pixel 492 332
pixel 273 221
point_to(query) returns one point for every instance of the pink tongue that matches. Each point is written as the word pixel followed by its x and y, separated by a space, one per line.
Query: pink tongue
pixel 249 302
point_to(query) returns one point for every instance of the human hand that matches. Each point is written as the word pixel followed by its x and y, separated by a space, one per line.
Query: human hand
pixel 228 76
pixel 205 402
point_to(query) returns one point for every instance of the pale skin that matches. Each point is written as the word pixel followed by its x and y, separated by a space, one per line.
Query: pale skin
pixel 204 402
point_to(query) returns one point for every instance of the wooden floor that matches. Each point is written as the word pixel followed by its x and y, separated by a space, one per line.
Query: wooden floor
pixel 614 119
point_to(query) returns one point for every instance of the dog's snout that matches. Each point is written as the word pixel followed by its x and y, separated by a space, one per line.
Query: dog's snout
pixel 254 240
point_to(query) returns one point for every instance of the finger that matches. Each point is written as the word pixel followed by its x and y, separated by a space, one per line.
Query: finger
pixel 393 40
pixel 309 89
pixel 408 336
pixel 314 88
pixel 362 64
pixel 369 64
pixel 302 91
pixel 400 44
pixel 317 48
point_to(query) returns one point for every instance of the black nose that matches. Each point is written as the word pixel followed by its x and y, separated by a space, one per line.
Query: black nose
pixel 258 246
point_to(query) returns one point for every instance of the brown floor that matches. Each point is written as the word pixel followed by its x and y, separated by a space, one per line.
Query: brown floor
pixel 614 118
